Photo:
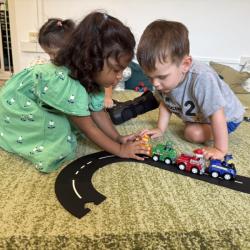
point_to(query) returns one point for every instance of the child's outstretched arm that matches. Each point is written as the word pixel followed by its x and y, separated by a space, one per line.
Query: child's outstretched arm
pixel 220 134
pixel 108 102
pixel 102 120
pixel 163 120
pixel 109 140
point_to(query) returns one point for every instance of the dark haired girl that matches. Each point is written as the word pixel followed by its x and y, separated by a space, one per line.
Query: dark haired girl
pixel 53 35
pixel 37 104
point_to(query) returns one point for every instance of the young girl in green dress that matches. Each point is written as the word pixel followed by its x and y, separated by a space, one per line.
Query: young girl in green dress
pixel 37 104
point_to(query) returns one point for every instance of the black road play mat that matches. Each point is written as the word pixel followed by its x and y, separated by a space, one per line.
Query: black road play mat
pixel 74 187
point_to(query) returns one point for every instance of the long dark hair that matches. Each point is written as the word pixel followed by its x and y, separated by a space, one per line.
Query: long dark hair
pixel 54 33
pixel 96 38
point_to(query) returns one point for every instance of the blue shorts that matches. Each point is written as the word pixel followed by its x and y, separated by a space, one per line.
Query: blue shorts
pixel 231 126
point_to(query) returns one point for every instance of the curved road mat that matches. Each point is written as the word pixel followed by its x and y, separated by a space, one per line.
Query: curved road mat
pixel 74 188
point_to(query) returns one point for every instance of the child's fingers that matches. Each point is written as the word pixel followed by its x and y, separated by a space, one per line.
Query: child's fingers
pixel 136 143
pixel 135 135
pixel 156 133
pixel 154 136
pixel 208 155
pixel 130 139
pixel 133 138
pixel 144 131
pixel 212 154
pixel 136 157
pixel 142 151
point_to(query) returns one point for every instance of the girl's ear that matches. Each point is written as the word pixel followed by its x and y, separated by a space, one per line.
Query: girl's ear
pixel 186 64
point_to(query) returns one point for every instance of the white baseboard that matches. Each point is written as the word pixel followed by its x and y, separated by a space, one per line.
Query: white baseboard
pixel 5 75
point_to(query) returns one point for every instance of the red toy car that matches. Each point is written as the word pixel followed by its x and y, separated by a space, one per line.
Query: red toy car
pixel 195 164
pixel 141 87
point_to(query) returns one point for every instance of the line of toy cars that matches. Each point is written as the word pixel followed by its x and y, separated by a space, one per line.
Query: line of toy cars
pixel 195 164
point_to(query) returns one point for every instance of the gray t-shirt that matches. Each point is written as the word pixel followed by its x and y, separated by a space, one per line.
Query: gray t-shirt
pixel 201 94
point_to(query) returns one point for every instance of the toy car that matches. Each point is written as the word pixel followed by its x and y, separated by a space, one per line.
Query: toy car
pixel 164 153
pixel 141 87
pixel 225 169
pixel 247 119
pixel 195 164
pixel 146 138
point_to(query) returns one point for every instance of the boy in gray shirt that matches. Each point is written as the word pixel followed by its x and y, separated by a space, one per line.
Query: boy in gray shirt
pixel 190 89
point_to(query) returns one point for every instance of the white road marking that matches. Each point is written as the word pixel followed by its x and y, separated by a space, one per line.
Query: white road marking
pixel 89 162
pixel 82 166
pixel 239 182
pixel 107 156
pixel 73 184
pixel 77 172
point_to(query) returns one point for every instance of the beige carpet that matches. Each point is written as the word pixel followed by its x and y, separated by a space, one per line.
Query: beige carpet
pixel 146 207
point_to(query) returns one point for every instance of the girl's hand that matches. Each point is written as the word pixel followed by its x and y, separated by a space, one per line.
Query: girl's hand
pixel 108 102
pixel 127 138
pixel 131 149
pixel 156 132
pixel 212 154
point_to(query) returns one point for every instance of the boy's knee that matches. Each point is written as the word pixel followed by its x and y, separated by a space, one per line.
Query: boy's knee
pixel 192 135
pixel 198 133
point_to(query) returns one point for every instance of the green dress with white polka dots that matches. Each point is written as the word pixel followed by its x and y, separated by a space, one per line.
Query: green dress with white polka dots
pixel 35 105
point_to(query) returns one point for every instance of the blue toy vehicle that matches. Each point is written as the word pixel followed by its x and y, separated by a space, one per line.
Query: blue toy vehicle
pixel 225 169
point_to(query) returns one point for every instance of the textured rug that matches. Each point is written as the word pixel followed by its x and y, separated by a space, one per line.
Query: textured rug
pixel 146 207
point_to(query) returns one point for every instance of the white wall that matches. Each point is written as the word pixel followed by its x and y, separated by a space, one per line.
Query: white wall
pixel 219 29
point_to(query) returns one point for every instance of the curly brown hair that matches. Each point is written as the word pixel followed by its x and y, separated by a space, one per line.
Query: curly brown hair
pixel 96 38
pixel 162 40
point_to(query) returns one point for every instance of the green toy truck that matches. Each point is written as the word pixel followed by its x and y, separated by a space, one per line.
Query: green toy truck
pixel 164 153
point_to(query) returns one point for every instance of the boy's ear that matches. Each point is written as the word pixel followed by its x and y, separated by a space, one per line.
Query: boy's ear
pixel 186 64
